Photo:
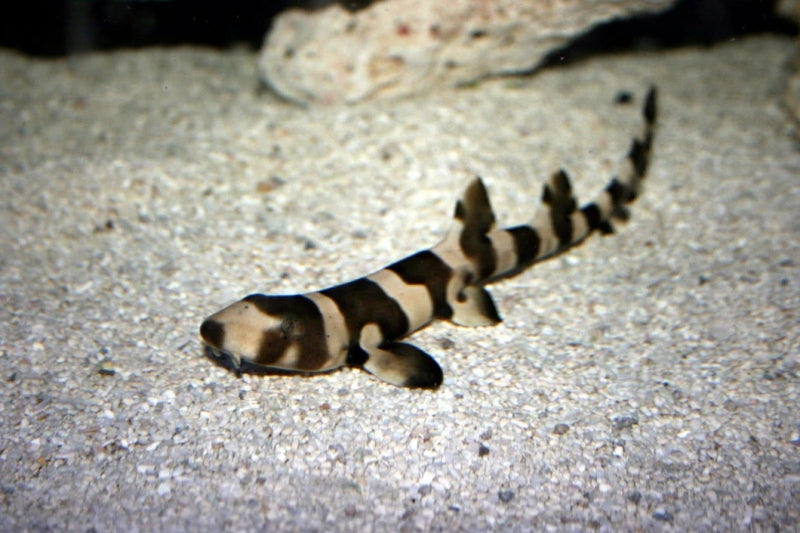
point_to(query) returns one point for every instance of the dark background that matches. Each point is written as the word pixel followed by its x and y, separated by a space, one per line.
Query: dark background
pixel 55 28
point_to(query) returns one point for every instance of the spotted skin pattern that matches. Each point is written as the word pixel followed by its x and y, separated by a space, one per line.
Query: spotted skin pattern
pixel 360 323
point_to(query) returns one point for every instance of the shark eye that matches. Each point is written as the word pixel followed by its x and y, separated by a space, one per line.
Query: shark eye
pixel 287 327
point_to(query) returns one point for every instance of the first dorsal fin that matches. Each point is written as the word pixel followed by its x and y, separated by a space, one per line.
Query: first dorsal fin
pixel 468 241
pixel 472 220
pixel 473 209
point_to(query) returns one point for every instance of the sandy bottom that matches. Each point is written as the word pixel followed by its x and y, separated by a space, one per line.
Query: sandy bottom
pixel 642 380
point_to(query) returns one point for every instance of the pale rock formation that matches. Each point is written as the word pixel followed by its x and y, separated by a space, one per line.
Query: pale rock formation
pixel 398 48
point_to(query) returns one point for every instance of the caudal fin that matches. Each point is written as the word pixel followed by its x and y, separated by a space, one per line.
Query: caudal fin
pixel 626 185
pixel 559 223
pixel 565 225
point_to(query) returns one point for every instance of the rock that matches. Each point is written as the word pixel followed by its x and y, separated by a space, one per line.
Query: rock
pixel 789 9
pixel 505 495
pixel 624 422
pixel 560 429
pixel 398 48
pixel 791 90
pixel 663 516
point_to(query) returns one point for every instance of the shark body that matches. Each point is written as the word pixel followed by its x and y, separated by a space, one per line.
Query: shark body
pixel 361 323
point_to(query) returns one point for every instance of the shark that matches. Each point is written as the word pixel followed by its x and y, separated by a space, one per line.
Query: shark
pixel 363 323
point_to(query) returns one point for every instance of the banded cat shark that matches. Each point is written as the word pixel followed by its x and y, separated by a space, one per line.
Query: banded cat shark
pixel 361 323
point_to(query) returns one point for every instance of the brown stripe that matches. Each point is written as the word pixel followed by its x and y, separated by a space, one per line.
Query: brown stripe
pixel 426 268
pixel 592 215
pixel 273 345
pixel 474 208
pixel 638 156
pixel 619 192
pixel 356 356
pixel 526 241
pixel 361 302
pixel 475 211
pixel 558 195
pixel 478 247
pixel 650 109
pixel 302 325
pixel 213 333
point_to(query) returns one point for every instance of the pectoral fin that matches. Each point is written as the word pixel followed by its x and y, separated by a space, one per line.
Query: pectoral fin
pixel 404 365
pixel 473 306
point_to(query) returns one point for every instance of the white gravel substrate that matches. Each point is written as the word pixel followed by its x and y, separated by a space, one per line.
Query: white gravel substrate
pixel 648 380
